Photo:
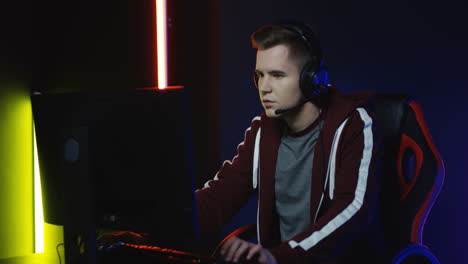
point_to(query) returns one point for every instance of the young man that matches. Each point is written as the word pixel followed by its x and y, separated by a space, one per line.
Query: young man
pixel 311 157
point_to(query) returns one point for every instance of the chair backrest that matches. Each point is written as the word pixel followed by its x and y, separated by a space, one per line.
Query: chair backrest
pixel 412 169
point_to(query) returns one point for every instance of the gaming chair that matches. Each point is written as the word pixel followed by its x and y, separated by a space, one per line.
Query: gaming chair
pixel 412 177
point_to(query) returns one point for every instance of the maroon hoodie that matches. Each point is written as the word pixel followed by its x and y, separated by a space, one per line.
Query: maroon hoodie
pixel 344 190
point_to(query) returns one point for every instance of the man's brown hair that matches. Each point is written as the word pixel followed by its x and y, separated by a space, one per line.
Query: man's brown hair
pixel 274 34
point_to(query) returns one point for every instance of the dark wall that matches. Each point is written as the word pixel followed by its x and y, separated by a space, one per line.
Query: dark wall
pixel 414 47
pixel 106 46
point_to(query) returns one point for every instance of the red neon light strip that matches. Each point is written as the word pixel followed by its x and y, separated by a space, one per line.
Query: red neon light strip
pixel 161 43
pixel 164 88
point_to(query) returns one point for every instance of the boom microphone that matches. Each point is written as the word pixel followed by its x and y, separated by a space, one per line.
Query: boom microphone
pixel 282 111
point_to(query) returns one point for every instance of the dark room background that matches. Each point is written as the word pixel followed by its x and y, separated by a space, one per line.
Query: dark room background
pixel 413 47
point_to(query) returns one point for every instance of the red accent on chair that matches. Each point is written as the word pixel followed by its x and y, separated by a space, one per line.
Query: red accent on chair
pixel 420 218
pixel 408 143
pixel 422 123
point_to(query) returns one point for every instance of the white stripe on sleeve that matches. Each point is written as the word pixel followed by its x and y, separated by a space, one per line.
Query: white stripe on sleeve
pixel 255 172
pixel 207 184
pixel 332 160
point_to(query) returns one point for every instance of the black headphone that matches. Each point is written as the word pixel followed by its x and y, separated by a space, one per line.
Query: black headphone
pixel 313 80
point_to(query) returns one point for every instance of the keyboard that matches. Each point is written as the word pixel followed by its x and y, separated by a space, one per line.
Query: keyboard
pixel 146 254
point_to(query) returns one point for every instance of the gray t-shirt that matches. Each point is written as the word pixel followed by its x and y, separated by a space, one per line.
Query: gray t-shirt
pixel 293 180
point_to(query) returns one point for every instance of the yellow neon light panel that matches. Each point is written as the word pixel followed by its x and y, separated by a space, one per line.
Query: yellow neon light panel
pixel 38 213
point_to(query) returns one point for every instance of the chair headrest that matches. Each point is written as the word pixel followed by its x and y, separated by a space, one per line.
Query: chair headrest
pixel 391 110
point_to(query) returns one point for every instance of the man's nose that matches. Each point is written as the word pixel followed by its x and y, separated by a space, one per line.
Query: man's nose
pixel 264 85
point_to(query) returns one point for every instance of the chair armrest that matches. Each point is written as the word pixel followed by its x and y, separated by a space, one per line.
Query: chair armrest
pixel 246 232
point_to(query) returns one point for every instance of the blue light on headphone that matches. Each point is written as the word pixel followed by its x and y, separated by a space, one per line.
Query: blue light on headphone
pixel 321 75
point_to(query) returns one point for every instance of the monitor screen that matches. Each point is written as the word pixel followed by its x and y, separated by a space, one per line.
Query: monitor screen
pixel 118 160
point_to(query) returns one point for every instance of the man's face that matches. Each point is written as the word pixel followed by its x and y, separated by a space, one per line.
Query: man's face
pixel 278 79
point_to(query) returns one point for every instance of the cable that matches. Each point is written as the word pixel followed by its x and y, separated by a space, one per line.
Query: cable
pixel 58 253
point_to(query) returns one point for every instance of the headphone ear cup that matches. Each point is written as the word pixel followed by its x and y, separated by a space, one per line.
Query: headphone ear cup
pixel 322 76
pixel 307 81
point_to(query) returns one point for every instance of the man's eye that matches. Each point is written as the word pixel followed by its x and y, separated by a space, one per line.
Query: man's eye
pixel 276 75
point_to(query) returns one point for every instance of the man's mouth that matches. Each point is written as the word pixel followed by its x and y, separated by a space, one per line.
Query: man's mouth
pixel 268 103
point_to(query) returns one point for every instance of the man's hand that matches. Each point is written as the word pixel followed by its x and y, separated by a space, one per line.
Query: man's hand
pixel 235 248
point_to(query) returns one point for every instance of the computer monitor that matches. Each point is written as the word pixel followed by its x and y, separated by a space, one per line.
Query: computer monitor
pixel 119 160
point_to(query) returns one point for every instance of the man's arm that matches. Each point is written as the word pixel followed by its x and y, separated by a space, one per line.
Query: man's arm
pixel 224 195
